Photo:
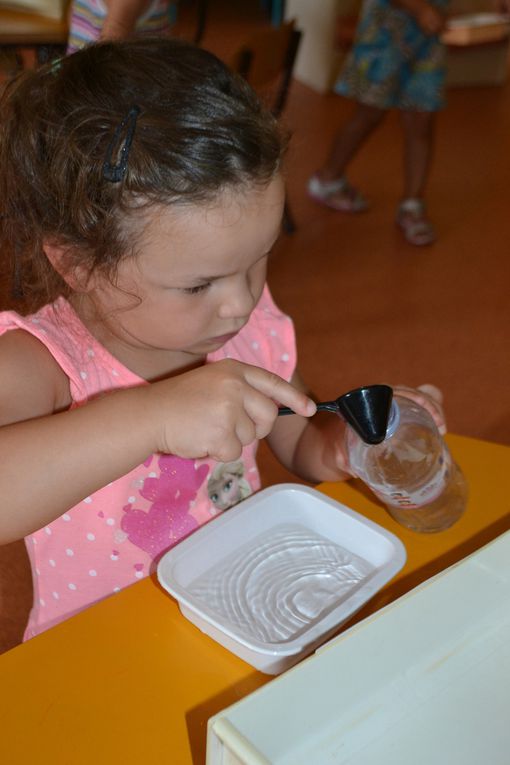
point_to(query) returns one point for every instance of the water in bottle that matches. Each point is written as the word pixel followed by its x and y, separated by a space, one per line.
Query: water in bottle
pixel 395 447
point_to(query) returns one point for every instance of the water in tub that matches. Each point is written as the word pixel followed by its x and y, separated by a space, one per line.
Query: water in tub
pixel 284 580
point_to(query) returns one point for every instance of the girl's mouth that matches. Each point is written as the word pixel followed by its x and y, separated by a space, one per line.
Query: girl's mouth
pixel 222 339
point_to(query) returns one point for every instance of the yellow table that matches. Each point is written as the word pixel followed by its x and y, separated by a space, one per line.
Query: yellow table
pixel 131 680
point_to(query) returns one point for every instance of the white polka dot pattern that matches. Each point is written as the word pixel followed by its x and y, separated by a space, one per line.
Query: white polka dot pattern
pixel 111 538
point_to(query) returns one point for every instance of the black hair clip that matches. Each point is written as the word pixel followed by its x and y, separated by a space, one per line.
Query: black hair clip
pixel 120 146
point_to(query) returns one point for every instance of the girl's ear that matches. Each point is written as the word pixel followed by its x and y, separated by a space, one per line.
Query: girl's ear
pixel 77 277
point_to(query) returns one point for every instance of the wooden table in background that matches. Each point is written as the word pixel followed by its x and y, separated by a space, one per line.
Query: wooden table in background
pixel 131 680
pixel 17 28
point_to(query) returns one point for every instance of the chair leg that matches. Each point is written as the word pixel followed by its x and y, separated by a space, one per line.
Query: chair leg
pixel 288 223
pixel 202 13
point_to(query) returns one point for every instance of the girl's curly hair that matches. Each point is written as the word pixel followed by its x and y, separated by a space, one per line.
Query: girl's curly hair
pixel 200 130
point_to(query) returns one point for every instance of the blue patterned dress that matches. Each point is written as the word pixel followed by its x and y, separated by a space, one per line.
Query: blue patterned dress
pixel 393 63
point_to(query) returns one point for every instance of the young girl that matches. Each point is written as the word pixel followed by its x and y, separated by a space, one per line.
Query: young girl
pixel 141 193
pixel 397 61
pixel 90 20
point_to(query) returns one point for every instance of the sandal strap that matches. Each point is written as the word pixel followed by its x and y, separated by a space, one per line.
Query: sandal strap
pixel 416 227
pixel 412 205
pixel 419 228
pixel 327 188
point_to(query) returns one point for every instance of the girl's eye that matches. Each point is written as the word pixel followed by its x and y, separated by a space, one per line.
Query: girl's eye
pixel 195 290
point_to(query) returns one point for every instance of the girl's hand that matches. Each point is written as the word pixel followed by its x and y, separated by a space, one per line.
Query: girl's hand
pixel 430 20
pixel 122 17
pixel 430 398
pixel 216 410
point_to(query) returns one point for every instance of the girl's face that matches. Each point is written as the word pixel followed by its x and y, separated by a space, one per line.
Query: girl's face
pixel 197 277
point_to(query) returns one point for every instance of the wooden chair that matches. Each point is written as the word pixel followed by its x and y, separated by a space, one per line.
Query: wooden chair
pixel 266 60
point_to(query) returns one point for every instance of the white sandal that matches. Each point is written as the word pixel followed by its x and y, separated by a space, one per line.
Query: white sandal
pixel 337 195
pixel 414 224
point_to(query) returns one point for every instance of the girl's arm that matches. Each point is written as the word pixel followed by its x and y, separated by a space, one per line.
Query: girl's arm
pixel 121 18
pixel 312 449
pixel 51 460
pixel 429 18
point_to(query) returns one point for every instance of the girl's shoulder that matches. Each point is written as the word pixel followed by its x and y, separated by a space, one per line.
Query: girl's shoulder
pixel 88 367
pixel 32 383
pixel 55 326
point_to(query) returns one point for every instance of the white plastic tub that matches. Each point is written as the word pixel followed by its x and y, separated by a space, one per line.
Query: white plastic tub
pixel 275 576
pixel 425 680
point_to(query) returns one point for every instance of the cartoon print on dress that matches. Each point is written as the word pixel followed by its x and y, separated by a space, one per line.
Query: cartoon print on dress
pixel 168 520
pixel 227 486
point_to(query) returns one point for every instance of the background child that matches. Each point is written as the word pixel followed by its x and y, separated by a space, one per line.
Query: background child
pixel 91 20
pixel 141 192
pixel 397 61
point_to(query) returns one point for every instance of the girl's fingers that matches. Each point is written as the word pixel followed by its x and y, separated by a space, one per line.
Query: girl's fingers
pixel 278 389
pixel 228 450
pixel 430 398
pixel 245 430
pixel 233 435
pixel 262 412
pixel 432 391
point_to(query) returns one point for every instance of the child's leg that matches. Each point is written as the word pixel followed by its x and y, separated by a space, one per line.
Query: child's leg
pixel 421 96
pixel 418 147
pixel 328 185
pixel 349 140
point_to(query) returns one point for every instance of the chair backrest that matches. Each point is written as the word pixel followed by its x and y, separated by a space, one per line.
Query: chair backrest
pixel 267 59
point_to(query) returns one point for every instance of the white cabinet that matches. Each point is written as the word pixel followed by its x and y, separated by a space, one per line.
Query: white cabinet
pixel 424 680
pixel 317 57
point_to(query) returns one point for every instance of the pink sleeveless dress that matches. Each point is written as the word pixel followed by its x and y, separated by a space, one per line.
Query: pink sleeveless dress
pixel 115 536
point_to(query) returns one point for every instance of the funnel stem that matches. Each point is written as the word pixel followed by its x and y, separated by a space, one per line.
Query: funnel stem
pixel 322 406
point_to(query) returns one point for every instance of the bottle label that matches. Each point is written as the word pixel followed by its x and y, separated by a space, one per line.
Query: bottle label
pixel 422 496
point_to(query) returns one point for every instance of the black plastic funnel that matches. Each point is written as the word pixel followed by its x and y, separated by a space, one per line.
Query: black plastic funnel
pixel 367 411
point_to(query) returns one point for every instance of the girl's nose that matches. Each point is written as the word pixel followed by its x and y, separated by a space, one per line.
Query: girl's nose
pixel 238 302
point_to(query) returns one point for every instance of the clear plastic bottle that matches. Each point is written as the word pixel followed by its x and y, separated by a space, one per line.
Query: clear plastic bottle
pixel 411 470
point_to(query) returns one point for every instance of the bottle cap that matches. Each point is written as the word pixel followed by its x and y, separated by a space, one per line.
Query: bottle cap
pixel 367 411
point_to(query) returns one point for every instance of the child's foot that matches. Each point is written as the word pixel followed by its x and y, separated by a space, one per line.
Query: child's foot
pixel 414 224
pixel 338 195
